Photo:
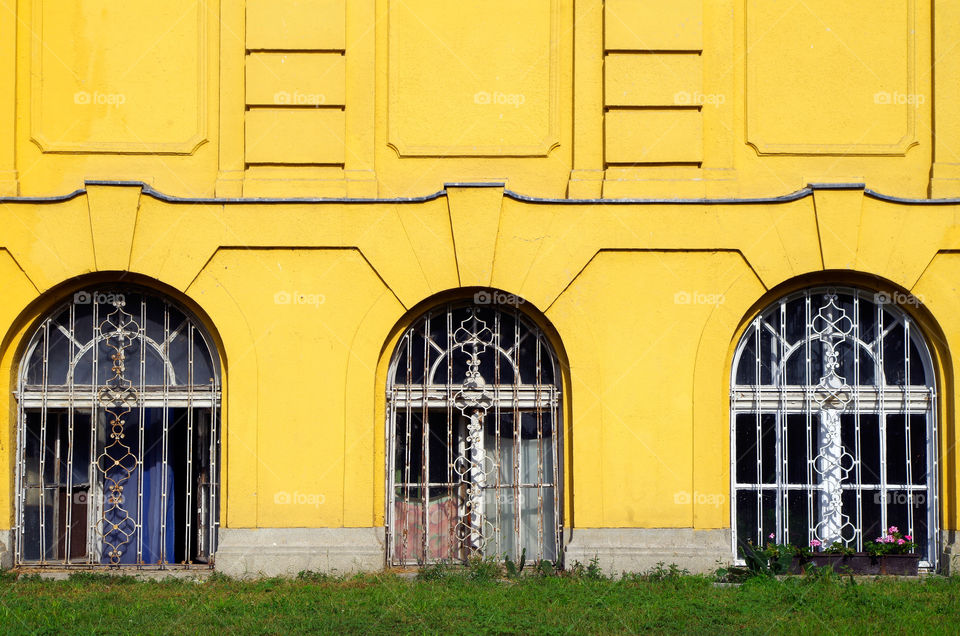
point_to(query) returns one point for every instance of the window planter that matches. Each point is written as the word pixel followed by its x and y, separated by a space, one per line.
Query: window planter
pixel 862 563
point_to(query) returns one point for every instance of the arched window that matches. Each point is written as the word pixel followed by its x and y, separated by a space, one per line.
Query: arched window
pixel 833 423
pixel 117 440
pixel 475 456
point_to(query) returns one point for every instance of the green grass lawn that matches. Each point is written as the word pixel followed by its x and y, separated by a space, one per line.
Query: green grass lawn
pixel 468 603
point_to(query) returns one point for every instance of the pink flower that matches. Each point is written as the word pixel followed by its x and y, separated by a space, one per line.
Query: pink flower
pixel 908 537
pixel 892 529
pixel 879 539
pixel 888 539
pixel 815 544
pixel 771 536
pixel 900 541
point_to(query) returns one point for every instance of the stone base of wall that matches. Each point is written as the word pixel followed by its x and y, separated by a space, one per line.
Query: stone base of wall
pixel 6 549
pixel 258 552
pixel 949 552
pixel 620 550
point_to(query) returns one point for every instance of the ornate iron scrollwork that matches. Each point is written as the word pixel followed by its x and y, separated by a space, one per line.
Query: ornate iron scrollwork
pixel 117 462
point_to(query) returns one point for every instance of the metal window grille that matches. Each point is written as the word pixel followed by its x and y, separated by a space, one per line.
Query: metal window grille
pixel 475 450
pixel 117 439
pixel 833 416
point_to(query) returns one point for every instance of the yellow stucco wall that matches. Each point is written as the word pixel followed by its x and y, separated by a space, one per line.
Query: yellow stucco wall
pixel 578 103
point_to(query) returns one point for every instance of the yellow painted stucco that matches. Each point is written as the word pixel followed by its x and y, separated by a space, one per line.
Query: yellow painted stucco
pixel 169 144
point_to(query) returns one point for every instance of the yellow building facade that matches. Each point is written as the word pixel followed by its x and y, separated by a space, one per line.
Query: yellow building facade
pixel 721 236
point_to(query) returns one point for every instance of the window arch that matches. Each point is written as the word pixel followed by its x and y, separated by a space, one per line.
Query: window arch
pixel 833 415
pixel 475 444
pixel 118 399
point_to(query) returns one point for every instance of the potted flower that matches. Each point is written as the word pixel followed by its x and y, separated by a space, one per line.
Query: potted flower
pixel 896 552
pixel 890 553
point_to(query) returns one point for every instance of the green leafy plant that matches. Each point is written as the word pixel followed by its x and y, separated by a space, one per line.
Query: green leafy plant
pixel 484 568
pixel 839 548
pixel 594 572
pixel 668 573
pixel 545 568
pixel 435 571
pixel 772 560
pixel 891 542
pixel 515 568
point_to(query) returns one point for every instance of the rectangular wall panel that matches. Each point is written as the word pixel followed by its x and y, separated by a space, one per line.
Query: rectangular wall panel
pixel 654 136
pixel 296 24
pixel 283 135
pixel 295 79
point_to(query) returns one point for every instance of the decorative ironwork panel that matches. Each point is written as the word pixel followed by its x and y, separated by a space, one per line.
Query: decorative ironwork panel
pixel 118 442
pixel 833 415
pixel 475 460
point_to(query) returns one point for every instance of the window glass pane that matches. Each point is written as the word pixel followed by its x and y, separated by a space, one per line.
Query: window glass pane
pixel 798 516
pixel 896 449
pixel 747 528
pixel 801 443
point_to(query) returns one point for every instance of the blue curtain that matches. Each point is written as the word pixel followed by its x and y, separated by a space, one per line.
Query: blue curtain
pixel 155 547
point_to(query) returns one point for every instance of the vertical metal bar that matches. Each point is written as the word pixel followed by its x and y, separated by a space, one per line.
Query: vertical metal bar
pixel 777 369
pixel 188 516
pixel 165 450
pixel 390 445
pixel 881 385
pixel 95 500
pixel 556 421
pixel 425 444
pixel 906 423
pixel 141 423
pixel 497 326
pixel 539 422
pixel 408 437
pixel 858 465
pixel 933 503
pixel 21 476
pixel 214 444
pixel 69 482
pixel 43 442
pixel 517 461
pixel 758 352
pixel 452 475
pixel 808 408
pixel 57 458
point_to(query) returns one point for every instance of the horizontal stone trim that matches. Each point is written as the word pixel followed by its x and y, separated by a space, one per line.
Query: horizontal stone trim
pixel 619 550
pixel 258 552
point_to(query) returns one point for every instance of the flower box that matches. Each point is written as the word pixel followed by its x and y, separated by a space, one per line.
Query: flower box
pixel 862 563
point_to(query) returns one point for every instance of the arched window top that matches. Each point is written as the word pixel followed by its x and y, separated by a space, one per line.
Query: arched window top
pixel 162 344
pixel 875 341
pixel 453 340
